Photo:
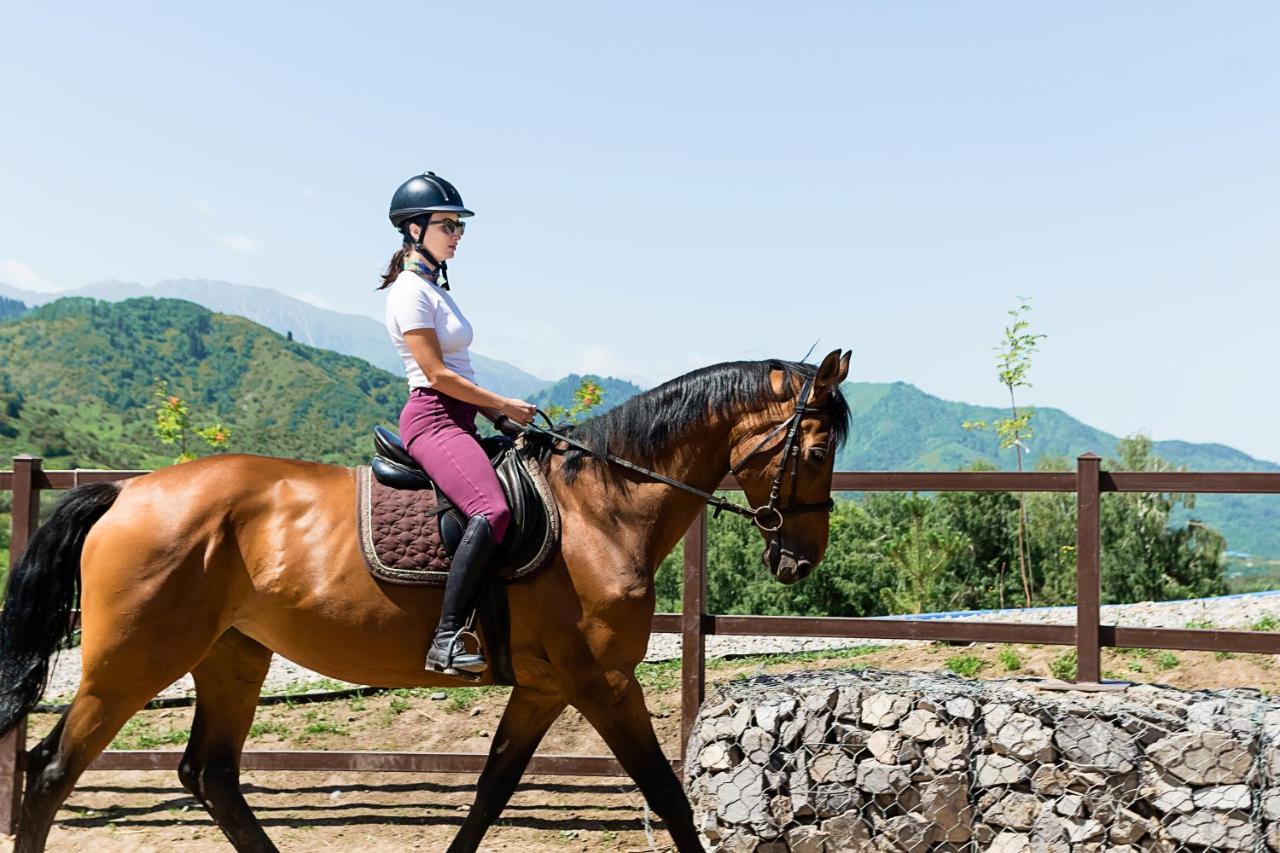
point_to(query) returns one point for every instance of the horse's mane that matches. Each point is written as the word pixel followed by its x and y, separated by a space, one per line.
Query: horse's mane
pixel 644 426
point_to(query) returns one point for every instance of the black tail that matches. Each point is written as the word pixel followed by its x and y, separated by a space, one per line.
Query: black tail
pixel 44 586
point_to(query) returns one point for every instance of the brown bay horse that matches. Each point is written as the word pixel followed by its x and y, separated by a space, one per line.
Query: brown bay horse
pixel 210 566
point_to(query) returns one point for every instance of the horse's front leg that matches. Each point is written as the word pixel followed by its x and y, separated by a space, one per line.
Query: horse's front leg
pixel 526 719
pixel 619 714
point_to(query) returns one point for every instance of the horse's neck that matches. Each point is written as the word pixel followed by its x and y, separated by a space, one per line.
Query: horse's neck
pixel 659 514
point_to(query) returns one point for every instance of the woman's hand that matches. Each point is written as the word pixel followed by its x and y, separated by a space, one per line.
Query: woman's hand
pixel 518 410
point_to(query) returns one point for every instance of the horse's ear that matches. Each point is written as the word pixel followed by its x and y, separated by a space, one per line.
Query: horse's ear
pixel 844 367
pixel 831 373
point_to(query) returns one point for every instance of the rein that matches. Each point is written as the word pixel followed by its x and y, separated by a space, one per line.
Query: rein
pixel 769 512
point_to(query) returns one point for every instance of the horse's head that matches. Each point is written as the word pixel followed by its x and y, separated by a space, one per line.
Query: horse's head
pixel 783 457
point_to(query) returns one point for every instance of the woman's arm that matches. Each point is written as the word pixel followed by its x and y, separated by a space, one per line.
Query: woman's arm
pixel 425 348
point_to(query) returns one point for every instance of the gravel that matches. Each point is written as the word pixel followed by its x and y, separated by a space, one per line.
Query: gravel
pixel 1227 612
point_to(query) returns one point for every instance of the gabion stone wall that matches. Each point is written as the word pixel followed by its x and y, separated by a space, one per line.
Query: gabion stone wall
pixel 914 762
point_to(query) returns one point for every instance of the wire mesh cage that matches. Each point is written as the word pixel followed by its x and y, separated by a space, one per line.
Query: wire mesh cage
pixel 892 761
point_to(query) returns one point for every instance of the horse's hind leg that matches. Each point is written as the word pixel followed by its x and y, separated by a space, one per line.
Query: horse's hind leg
pixel 98 711
pixel 526 719
pixel 228 681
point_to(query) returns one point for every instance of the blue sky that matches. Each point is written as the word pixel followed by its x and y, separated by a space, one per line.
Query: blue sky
pixel 663 185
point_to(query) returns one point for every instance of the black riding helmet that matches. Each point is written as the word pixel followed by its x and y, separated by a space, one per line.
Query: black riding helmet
pixel 413 204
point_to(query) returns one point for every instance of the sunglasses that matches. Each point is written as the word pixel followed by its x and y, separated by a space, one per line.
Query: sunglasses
pixel 451 226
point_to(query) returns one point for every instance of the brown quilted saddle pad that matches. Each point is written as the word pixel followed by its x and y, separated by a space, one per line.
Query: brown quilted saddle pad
pixel 407 534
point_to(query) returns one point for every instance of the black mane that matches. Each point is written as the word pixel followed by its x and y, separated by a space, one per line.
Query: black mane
pixel 643 427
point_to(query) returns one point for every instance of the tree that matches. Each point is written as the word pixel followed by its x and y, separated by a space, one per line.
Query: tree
pixel 920 553
pixel 1014 362
pixel 172 424
pixel 586 397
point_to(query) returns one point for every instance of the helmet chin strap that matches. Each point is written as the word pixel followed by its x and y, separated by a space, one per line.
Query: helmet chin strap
pixel 442 268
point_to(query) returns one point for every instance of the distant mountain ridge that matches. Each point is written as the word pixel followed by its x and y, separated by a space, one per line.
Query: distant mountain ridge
pixel 349 334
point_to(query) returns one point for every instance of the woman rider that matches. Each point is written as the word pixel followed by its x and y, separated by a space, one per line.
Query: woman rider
pixel 437 425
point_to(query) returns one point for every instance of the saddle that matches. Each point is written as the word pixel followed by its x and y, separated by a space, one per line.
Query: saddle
pixel 409 530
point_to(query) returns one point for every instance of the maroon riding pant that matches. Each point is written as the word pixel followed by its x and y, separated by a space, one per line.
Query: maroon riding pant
pixel 439 432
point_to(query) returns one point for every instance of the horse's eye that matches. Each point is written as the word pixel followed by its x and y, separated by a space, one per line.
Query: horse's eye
pixel 817 454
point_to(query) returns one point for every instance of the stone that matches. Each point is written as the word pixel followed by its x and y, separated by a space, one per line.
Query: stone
pixel 846 832
pixel 851 736
pixel 884 710
pixel 1273 831
pixel 1223 798
pixel 992 770
pixel 994 715
pixel 1015 810
pixel 807 839
pixel 1203 758
pixel 849 703
pixel 718 709
pixel 833 799
pixel 833 764
pixel 1095 744
pixel 1087 830
pixel 908 833
pixel 892 748
pixel 961 708
pixel 758 745
pixel 781 810
pixel 769 717
pixel 1213 829
pixel 1051 833
pixel 1069 805
pixel 719 756
pixel 789 730
pixel 944 804
pixel 1049 780
pixel 876 777
pixel 1009 842
pixel 1024 738
pixel 1271 804
pixel 921 726
pixel 738 842
pixel 738 795
pixel 816 728
pixel 1128 827
pixel 951 752
pixel 821 700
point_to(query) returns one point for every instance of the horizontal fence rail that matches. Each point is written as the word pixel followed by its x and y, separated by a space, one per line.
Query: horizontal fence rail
pixel 27 480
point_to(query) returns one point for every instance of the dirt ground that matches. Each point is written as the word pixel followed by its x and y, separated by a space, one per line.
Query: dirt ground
pixel 141 811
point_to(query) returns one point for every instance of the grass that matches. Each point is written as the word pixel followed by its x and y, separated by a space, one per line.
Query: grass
pixel 268 727
pixel 1266 623
pixel 965 665
pixel 1166 660
pixel 137 734
pixel 1065 666
pixel 1199 624
pixel 461 698
pixel 1009 659
pixel 399 705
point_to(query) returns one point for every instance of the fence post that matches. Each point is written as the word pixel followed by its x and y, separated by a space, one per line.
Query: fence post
pixel 693 647
pixel 1088 572
pixel 25 519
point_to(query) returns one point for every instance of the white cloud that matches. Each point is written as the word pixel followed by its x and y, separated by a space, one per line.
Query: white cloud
pixel 17 274
pixel 313 299
pixel 240 243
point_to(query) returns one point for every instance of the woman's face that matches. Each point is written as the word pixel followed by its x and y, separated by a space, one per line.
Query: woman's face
pixel 442 236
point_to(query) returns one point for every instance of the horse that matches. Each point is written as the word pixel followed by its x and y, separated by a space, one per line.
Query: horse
pixel 211 566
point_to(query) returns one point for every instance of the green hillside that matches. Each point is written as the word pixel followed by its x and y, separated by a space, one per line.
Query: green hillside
pixel 76 376
pixel 898 427
pixel 10 308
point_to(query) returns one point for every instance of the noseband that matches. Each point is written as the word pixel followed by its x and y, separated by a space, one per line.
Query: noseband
pixel 768 517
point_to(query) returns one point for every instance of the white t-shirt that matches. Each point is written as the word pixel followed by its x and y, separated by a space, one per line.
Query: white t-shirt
pixel 415 303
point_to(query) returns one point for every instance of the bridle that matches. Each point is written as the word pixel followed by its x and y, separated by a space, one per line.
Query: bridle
pixel 790 458
pixel 769 517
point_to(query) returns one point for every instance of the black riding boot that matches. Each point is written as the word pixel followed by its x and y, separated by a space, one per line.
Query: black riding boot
pixel 447 653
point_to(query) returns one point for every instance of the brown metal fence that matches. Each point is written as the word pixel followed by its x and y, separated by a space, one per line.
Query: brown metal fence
pixel 1088 635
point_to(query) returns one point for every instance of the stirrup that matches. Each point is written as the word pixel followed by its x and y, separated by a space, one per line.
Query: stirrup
pixel 472 665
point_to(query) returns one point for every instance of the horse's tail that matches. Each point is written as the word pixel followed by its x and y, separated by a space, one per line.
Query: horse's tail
pixel 44 586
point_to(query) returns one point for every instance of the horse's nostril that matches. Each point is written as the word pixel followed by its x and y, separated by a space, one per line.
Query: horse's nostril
pixel 803 567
